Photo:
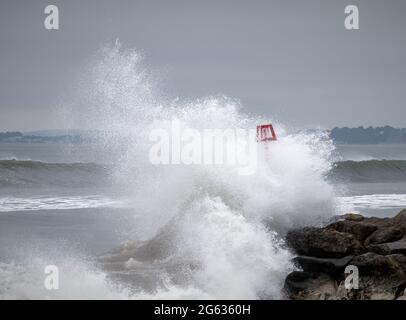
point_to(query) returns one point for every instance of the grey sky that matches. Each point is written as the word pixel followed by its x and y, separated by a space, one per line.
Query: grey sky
pixel 290 59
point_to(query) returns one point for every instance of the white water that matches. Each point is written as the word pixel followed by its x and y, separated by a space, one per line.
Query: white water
pixel 10 204
pixel 373 201
pixel 209 232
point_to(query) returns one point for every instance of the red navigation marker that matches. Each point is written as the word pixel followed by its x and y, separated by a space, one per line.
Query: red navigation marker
pixel 265 132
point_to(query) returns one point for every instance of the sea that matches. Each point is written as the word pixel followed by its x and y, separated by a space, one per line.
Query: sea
pixel 59 206
pixel 109 224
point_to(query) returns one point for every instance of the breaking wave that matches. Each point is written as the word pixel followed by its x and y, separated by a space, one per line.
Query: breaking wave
pixel 28 173
pixel 370 171
pixel 207 232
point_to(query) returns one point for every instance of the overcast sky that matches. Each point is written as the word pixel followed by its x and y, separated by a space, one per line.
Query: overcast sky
pixel 293 60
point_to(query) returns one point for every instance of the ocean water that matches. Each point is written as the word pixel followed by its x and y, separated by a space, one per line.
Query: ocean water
pixel 118 227
pixel 374 186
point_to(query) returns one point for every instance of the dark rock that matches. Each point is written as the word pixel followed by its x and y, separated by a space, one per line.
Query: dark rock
pixel 389 229
pixel 324 243
pixel 381 249
pixel 327 265
pixel 347 216
pixel 397 246
pixel 401 260
pixel 400 218
pixel 308 286
pixel 389 234
pixel 376 246
pixel 297 281
pixel 389 248
pixel 370 288
pixel 352 217
pixel 402 295
pixel 360 230
pixel 379 265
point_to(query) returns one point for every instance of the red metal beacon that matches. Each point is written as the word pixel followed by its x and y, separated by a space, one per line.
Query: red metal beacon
pixel 265 132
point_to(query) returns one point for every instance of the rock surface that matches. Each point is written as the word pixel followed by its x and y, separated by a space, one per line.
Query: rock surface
pixel 354 257
pixel 323 242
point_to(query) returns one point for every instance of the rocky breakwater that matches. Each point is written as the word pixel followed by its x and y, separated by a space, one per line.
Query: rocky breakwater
pixel 353 251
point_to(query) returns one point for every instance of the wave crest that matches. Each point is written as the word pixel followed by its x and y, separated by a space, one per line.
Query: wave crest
pixel 370 171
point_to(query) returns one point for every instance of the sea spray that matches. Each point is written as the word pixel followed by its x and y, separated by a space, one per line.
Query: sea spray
pixel 221 232
pixel 203 231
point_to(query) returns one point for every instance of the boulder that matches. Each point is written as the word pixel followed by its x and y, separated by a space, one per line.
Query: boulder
pixel 370 288
pixel 375 288
pixel 376 246
pixel 327 265
pixel 389 229
pixel 308 286
pixel 383 235
pixel 400 218
pixel 324 243
pixel 359 229
pixel 390 247
pixel 379 265
pixel 352 217
pixel 402 295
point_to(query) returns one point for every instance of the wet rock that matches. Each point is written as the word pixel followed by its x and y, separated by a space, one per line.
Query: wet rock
pixel 328 265
pixel 397 246
pixel 400 218
pixel 376 247
pixel 390 247
pixel 379 265
pixel 324 243
pixel 402 296
pixel 352 217
pixel 370 288
pixel 383 235
pixel 309 286
pixel 389 229
pixel 360 230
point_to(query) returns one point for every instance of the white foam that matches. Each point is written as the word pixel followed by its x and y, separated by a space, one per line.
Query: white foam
pixel 77 280
pixel 10 204
pixel 225 226
pixel 372 201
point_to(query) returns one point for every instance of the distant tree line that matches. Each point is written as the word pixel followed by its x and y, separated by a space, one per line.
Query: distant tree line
pixel 15 136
